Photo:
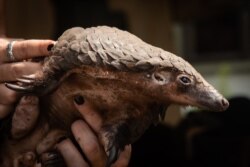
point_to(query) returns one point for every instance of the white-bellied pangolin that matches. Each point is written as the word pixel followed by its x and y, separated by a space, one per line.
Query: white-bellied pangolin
pixel 126 80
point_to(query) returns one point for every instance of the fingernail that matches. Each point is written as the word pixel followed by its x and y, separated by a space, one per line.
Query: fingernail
pixel 50 47
pixel 79 100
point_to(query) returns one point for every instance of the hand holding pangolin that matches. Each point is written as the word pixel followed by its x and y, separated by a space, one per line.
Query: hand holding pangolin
pixel 126 80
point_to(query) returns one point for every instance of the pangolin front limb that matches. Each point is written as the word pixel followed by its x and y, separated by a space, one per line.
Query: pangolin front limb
pixel 126 80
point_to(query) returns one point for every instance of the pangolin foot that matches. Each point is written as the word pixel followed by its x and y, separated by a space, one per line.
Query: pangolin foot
pixel 30 84
pixel 23 84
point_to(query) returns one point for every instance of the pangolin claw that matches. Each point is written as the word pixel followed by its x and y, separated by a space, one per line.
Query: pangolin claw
pixel 25 81
pixel 23 84
pixel 113 155
pixel 18 88
pixel 52 159
pixel 30 77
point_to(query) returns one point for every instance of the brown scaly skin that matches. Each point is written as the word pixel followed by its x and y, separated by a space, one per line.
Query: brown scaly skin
pixel 126 80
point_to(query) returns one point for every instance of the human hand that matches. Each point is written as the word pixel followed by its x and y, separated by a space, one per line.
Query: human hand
pixel 86 137
pixel 12 69
pixel 25 118
pixel 85 133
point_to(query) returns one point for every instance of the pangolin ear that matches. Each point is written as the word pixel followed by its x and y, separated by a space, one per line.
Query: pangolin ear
pixel 161 78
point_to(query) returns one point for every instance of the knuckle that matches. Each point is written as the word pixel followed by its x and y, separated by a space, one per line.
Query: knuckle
pixel 16 70
pixel 76 125
pixel 92 149
pixel 42 48
pixel 25 48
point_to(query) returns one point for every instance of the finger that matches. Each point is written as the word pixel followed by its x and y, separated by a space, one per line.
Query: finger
pixel 5 110
pixel 70 154
pixel 25 116
pixel 8 96
pixel 26 49
pixel 124 157
pixel 3 47
pixel 89 144
pixel 89 114
pixel 12 71
pixel 31 48
pixel 52 137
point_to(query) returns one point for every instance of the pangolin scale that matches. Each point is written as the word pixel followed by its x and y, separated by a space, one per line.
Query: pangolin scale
pixel 126 80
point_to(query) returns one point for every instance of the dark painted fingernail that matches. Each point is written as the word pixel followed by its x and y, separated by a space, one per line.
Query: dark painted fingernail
pixel 79 100
pixel 50 47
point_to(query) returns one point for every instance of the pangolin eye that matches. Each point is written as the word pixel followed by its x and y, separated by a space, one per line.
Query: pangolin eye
pixel 185 80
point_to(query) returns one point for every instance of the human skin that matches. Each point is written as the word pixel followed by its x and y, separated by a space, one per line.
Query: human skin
pixel 9 71
pixel 84 132
pixel 85 135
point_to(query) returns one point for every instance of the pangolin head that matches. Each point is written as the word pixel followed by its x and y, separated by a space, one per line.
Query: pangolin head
pixel 181 83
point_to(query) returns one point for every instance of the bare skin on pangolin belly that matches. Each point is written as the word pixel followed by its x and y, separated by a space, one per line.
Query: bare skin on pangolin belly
pixel 126 80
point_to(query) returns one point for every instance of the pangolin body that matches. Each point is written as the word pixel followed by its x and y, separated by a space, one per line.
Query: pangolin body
pixel 126 80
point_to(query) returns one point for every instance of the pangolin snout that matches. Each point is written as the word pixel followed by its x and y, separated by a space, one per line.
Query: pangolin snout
pixel 220 104
pixel 224 104
pixel 213 102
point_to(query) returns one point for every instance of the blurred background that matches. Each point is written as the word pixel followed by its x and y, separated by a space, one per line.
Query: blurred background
pixel 214 36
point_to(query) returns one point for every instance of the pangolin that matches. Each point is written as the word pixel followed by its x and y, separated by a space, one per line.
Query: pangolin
pixel 128 81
